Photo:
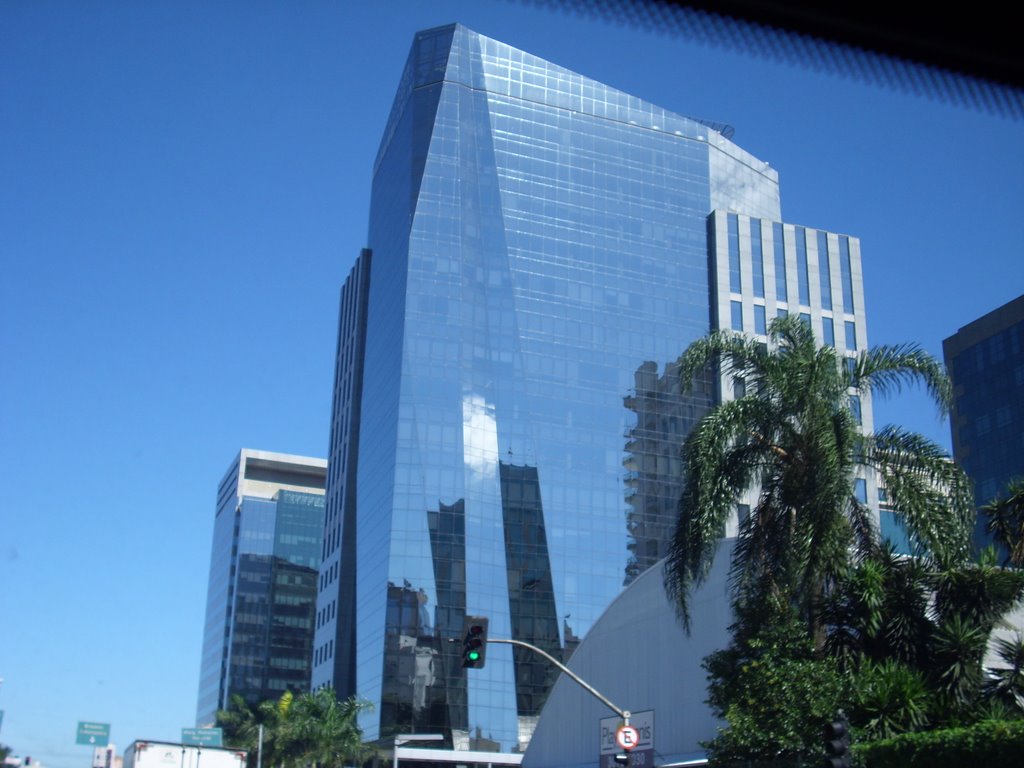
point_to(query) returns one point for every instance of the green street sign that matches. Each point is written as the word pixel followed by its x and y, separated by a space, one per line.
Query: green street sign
pixel 203 737
pixel 93 734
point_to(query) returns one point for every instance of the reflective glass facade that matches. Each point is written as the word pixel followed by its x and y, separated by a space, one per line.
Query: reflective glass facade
pixel 540 256
pixel 986 361
pixel 267 541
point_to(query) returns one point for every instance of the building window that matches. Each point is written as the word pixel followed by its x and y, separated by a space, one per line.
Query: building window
pixel 828 332
pixel 760 319
pixel 824 270
pixel 851 335
pixel 846 272
pixel 803 282
pixel 735 281
pixel 757 257
pixel 780 263
pixel 855 408
pixel 860 490
pixel 737 315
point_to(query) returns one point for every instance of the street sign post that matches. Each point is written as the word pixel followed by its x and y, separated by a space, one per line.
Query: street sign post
pixel 641 754
pixel 93 734
pixel 203 737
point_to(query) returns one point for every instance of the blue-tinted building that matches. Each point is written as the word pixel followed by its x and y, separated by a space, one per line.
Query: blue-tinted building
pixel 541 248
pixel 985 359
pixel 264 565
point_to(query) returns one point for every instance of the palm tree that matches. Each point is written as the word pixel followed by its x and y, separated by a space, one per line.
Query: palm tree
pixel 311 729
pixel 793 439
pixel 323 730
pixel 241 723
pixel 1006 683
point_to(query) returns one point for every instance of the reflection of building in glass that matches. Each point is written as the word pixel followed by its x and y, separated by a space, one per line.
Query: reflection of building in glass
pixel 986 361
pixel 411 658
pixel 536 238
pixel 654 481
pixel 530 591
pixel 267 540
pixel 448 550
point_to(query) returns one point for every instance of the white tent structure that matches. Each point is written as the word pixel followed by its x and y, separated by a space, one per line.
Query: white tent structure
pixel 639 656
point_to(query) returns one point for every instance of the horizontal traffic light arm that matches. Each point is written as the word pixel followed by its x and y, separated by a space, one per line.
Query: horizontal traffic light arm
pixel 623 713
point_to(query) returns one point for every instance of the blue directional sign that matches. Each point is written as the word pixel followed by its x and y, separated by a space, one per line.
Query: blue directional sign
pixel 93 734
pixel 203 737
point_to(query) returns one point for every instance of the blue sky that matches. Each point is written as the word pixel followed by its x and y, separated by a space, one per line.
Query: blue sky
pixel 183 187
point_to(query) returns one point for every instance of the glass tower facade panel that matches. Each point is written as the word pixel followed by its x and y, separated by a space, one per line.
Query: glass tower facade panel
pixel 540 257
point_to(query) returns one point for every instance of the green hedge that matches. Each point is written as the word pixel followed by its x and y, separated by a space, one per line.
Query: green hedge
pixel 1000 741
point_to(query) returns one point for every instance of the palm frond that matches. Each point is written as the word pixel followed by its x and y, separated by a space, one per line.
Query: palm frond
pixel 928 489
pixel 730 352
pixel 720 457
pixel 887 369
pixel 1005 521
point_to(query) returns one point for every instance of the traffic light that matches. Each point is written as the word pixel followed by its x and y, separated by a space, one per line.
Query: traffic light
pixel 474 642
pixel 837 743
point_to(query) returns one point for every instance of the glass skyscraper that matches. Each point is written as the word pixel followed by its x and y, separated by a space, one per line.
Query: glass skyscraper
pixel 506 426
pixel 986 361
pixel 264 565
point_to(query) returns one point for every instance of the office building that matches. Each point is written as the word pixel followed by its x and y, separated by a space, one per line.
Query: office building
pixel 264 565
pixel 504 434
pixel 985 359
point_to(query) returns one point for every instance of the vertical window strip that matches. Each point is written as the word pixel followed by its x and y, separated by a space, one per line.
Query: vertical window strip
pixel 735 283
pixel 803 283
pixel 847 274
pixel 780 262
pixel 825 271
pixel 851 335
pixel 757 257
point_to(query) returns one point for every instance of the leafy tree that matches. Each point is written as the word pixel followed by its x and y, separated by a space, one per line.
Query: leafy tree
pixel 794 439
pixel 772 690
pixel 1006 522
pixel 904 617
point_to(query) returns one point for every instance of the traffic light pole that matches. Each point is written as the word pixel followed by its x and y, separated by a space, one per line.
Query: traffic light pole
pixel 623 713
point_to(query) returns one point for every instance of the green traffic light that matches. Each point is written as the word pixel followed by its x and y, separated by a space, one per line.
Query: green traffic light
pixel 474 655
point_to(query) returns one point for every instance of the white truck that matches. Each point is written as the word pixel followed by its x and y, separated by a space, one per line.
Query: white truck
pixel 163 754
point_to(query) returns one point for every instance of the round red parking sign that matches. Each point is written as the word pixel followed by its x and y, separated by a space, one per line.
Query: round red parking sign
pixel 627 737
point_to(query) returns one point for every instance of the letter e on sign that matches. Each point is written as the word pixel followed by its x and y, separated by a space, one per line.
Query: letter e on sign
pixel 627 737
